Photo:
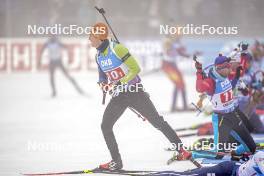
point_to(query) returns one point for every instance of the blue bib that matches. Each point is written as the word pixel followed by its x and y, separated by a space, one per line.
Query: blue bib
pixel 111 64
pixel 222 100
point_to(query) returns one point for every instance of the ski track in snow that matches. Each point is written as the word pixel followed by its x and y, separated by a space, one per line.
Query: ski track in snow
pixel 40 134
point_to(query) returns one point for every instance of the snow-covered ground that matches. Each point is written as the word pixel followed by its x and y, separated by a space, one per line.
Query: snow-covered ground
pixel 42 134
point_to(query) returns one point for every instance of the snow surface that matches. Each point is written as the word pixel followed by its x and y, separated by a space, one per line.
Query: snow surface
pixel 43 134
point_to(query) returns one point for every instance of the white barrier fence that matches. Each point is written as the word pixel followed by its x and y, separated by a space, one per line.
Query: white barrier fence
pixel 24 54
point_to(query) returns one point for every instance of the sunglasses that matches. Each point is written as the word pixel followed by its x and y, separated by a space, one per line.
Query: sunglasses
pixel 223 66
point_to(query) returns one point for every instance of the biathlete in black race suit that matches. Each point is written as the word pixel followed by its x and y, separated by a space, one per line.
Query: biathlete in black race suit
pixel 119 70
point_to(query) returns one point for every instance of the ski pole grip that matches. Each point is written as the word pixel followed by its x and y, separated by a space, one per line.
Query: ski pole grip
pixel 100 10
pixel 104 94
pixel 195 58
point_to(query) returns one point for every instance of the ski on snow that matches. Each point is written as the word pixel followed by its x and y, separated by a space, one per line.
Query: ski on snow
pixel 96 170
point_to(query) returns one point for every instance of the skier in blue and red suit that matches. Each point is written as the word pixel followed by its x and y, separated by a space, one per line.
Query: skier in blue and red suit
pixel 228 120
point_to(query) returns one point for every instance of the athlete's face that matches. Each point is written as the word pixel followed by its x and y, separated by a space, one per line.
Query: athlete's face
pixel 224 70
pixel 95 42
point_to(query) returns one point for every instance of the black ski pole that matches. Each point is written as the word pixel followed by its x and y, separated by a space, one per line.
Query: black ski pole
pixel 195 58
pixel 137 113
pixel 104 96
pixel 196 61
pixel 197 108
pixel 102 12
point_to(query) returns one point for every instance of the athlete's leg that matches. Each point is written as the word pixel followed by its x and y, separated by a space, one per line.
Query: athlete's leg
pixel 230 127
pixel 174 99
pixel 242 135
pixel 184 98
pixel 222 136
pixel 113 111
pixel 245 120
pixel 70 78
pixel 224 130
pixel 216 129
pixel 52 68
pixel 141 102
pixel 181 86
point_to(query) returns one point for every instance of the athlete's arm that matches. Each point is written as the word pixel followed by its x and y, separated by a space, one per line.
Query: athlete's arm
pixel 130 61
pixel 102 76
pixel 182 52
pixel 245 59
pixel 235 77
pixel 204 84
pixel 234 83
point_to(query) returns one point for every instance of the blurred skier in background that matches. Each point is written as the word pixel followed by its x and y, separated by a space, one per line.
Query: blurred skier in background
pixel 55 48
pixel 257 51
pixel 173 52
